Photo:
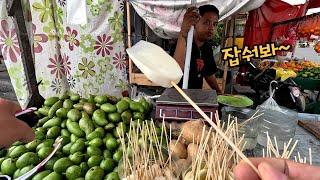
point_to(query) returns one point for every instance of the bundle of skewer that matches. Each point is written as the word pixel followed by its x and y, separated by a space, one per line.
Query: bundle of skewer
pixel 149 154
pixel 272 150
pixel 152 154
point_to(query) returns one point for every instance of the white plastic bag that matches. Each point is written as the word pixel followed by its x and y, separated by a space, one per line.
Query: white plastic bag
pixel 277 121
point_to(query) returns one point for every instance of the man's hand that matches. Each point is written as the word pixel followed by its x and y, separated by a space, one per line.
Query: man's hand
pixel 191 17
pixel 12 129
pixel 276 169
pixel 212 82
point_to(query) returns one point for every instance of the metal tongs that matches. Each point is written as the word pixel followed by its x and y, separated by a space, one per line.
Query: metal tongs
pixel 56 146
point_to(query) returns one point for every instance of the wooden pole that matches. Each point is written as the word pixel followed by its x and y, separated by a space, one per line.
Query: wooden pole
pixel 146 30
pixel 14 8
pixel 233 44
pixel 129 37
pixel 225 70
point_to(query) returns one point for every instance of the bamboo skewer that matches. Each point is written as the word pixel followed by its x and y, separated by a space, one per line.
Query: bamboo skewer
pixel 251 118
pixel 293 147
pixel 217 129
pixel 310 156
pixel 214 159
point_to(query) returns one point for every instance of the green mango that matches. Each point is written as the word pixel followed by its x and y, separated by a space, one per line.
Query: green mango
pixel 52 122
pixel 28 158
pixel 78 146
pixel 114 117
pixel 53 176
pixel 94 173
pixel 76 158
pixel 99 117
pixel 89 108
pixel 108 108
pixel 93 151
pixel 126 116
pixel 74 115
pixel 8 167
pixel 73 172
pixel 62 113
pixel 53 132
pixel 51 101
pixel 86 124
pixel 41 175
pixel 66 148
pixel 44 152
pixel 54 108
pixel 49 165
pixel 18 151
pixel 44 110
pixel 122 106
pixel 64 96
pixel 74 97
pixel 74 128
pixel 67 104
pixel 136 106
pixel 61 165
pixel 94 161
pixel 100 99
pixel 96 142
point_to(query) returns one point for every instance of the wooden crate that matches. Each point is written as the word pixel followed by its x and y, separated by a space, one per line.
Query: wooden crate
pixel 140 79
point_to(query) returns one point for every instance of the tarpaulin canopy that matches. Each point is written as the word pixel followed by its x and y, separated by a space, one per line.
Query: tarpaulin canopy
pixel 165 17
pixel 259 23
pixel 313 4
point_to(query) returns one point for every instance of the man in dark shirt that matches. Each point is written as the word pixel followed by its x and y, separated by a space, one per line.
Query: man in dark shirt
pixel 202 64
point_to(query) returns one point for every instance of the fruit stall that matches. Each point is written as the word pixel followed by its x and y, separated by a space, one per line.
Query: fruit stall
pixel 305 72
pixel 291 32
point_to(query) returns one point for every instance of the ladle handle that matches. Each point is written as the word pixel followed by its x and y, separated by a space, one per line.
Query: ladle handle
pixel 187 60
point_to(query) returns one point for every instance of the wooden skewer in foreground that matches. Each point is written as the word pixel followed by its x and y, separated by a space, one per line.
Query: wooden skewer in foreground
pixel 163 70
pixel 217 129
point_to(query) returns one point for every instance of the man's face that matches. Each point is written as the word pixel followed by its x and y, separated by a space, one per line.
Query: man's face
pixel 206 27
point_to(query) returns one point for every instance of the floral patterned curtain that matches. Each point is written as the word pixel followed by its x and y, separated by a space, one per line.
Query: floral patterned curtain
pixel 87 59
pixel 11 52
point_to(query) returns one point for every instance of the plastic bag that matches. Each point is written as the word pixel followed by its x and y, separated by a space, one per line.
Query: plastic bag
pixel 277 121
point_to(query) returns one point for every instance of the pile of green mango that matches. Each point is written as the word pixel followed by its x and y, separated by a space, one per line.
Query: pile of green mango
pixel 90 129
pixel 312 73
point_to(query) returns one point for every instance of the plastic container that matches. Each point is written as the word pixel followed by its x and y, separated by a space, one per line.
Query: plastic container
pixel 307 83
pixel 249 129
pixel 281 125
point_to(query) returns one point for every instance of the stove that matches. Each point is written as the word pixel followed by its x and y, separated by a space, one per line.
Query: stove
pixel 172 106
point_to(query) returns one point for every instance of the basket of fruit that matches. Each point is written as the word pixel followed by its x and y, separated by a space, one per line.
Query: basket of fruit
pixel 309 78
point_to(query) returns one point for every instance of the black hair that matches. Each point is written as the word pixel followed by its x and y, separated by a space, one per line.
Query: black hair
pixel 208 8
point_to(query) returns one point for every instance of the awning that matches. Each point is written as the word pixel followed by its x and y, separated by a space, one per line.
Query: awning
pixel 165 17
pixel 259 23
